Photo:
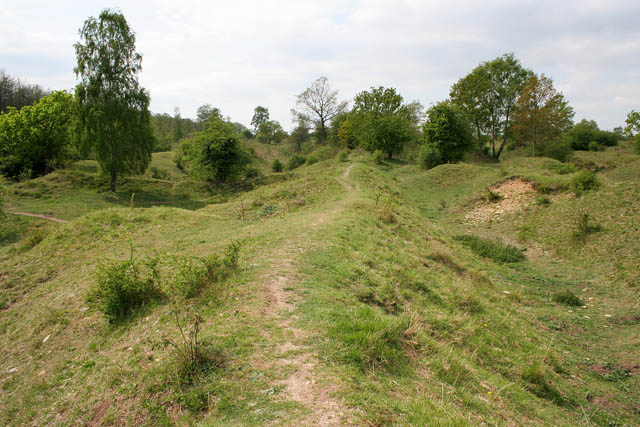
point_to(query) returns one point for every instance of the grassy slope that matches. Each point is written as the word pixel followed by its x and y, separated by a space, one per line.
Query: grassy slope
pixel 408 325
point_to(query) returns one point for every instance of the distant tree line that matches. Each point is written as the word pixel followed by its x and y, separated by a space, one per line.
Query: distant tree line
pixel 16 93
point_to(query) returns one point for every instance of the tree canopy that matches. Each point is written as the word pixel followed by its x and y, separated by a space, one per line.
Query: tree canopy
pixel 37 138
pixel 380 120
pixel 541 114
pixel 488 96
pixel 318 104
pixel 260 115
pixel 215 154
pixel 446 133
pixel 270 132
pixel 113 108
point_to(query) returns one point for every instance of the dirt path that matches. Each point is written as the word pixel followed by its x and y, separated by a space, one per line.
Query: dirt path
pixel 303 384
pixel 41 216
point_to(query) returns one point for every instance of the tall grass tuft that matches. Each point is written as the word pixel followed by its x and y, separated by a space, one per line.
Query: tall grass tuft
pixel 493 249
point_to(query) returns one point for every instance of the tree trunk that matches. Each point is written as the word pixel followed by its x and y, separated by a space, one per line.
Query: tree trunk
pixel 112 182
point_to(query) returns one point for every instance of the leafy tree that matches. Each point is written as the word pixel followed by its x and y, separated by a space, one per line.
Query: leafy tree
pixel 177 131
pixel 215 154
pixel 542 114
pixel 270 132
pixel 206 112
pixel 318 104
pixel 260 115
pixel 488 96
pixel 301 133
pixel 36 139
pixel 472 94
pixel 380 121
pixel 113 107
pixel 447 133
pixel 582 134
pixel 242 130
pixel 632 128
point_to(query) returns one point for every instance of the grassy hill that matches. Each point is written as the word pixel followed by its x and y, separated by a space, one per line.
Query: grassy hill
pixel 364 294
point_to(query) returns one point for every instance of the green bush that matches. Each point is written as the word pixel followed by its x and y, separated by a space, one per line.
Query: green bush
pixel 584 181
pixel 121 288
pixel 429 156
pixel 343 156
pixel 568 298
pixel 492 249
pixel 252 173
pixel 157 173
pixel 378 157
pixel 312 159
pixel 296 161
pixel 276 166
pixel 606 138
pixel 558 149
pixel 593 146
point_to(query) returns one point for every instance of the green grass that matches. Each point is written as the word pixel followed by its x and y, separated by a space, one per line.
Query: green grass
pixel 492 249
pixel 404 324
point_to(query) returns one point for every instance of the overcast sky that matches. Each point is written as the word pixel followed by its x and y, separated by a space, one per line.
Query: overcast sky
pixel 238 54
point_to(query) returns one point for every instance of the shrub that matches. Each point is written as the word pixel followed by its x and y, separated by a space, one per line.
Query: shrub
pixel 296 161
pixel 558 149
pixel 159 173
pixel 276 166
pixel 121 289
pixel 568 298
pixel 252 173
pixel 429 156
pixel 491 196
pixel 543 201
pixel 584 181
pixel 447 132
pixel 593 146
pixel 215 154
pixel 312 159
pixel 378 157
pixel 606 138
pixel 343 156
pixel 493 249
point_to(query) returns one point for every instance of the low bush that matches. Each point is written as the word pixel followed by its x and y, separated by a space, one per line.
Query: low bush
pixel 568 298
pixel 296 161
pixel 121 287
pixel 584 181
pixel 594 146
pixel 493 249
pixel 378 157
pixel 312 159
pixel 276 166
pixel 343 156
pixel 429 156
pixel 157 173
pixel 252 173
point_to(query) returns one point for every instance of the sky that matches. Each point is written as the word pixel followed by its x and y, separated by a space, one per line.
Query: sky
pixel 238 54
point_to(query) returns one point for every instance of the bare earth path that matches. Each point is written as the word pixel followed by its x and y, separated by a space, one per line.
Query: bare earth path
pixel 303 383
pixel 41 216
